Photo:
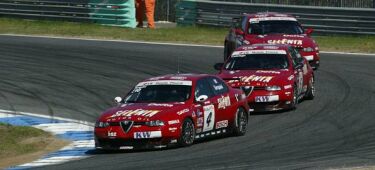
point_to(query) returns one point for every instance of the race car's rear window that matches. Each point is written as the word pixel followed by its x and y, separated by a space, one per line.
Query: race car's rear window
pixel 258 62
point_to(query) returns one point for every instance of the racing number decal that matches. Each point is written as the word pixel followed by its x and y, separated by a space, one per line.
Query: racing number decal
pixel 209 117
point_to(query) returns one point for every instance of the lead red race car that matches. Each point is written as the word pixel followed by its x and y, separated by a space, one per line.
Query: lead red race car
pixel 274 77
pixel 272 28
pixel 172 110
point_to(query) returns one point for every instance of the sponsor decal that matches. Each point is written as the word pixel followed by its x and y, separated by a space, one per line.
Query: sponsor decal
pixel 111 134
pixel 288 87
pixel 199 130
pixel 260 99
pixel 193 114
pixel 219 87
pixel 173 129
pixel 271 47
pixel 221 124
pixel 174 141
pixel 291 77
pixel 266 18
pixel 156 78
pixel 200 122
pixel 209 117
pixel 237 97
pixel 126 147
pixel 147 135
pixel 255 78
pixel 164 82
pixel 137 112
pixel 199 113
pixel 294 36
pixel 172 122
pixel 285 41
pixel 160 104
pixel 223 102
pixel 182 111
pixel 179 78
pixel 268 72
pixel 244 53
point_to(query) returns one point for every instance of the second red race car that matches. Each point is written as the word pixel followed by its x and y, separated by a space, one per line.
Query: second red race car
pixel 272 28
pixel 172 109
pixel 274 77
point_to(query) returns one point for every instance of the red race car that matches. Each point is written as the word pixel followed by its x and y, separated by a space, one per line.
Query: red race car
pixel 172 109
pixel 274 77
pixel 272 28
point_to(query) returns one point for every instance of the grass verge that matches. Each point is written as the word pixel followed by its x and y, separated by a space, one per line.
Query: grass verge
pixel 20 144
pixel 192 35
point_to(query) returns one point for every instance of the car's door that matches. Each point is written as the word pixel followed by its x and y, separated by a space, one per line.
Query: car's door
pixel 298 70
pixel 204 110
pixel 223 102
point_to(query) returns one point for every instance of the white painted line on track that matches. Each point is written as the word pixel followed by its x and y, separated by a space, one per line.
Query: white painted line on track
pixel 79 132
pixel 159 43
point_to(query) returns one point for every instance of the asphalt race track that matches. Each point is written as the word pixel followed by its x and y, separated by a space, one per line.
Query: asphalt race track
pixel 78 79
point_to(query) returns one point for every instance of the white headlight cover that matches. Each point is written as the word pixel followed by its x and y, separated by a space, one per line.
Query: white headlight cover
pixel 101 124
pixel 273 88
pixel 308 49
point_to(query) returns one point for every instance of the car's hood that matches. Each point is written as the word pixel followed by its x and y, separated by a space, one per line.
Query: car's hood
pixel 144 111
pixel 301 40
pixel 260 78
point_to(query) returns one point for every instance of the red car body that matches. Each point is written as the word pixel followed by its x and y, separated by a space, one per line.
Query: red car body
pixel 272 28
pixel 270 89
pixel 149 124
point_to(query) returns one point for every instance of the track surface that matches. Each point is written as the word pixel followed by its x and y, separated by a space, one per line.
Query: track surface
pixel 78 79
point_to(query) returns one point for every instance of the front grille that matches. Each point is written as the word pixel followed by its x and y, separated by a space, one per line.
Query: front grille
pixel 118 123
pixel 126 125
pixel 250 89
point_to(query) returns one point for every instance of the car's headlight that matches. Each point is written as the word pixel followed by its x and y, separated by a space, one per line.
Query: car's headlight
pixel 101 124
pixel 308 49
pixel 155 123
pixel 273 88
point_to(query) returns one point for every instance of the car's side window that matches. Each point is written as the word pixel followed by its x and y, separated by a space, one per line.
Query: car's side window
pixel 294 56
pixel 218 86
pixel 202 88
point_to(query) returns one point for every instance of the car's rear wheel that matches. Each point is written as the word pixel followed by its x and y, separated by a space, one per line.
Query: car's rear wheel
pixel 310 94
pixel 187 133
pixel 240 122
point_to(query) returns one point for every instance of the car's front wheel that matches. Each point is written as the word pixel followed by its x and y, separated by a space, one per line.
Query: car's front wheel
pixel 187 133
pixel 294 103
pixel 240 122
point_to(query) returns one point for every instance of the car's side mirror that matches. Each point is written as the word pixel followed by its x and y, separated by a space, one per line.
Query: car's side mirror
pixel 236 22
pixel 201 98
pixel 309 31
pixel 218 66
pixel 118 100
pixel 239 31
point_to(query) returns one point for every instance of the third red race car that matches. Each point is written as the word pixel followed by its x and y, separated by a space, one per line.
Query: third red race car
pixel 272 28
pixel 274 77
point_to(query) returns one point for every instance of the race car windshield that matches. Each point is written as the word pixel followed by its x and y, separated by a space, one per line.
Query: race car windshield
pixel 159 94
pixel 275 27
pixel 258 62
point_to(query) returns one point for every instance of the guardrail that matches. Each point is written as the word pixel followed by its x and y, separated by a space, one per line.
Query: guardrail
pixel 105 12
pixel 324 20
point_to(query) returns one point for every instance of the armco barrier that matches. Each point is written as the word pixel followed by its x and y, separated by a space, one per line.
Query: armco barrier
pixel 106 12
pixel 325 20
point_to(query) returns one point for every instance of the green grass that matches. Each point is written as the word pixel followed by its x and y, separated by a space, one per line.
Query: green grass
pixel 192 35
pixel 18 140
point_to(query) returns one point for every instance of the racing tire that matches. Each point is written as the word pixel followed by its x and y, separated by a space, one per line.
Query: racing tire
pixel 240 122
pixel 294 103
pixel 187 133
pixel 310 93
